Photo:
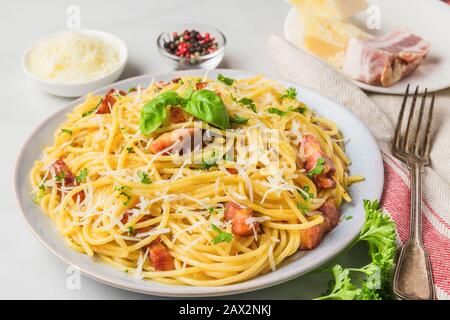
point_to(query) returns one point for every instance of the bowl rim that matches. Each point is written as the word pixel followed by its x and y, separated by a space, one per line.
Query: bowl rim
pixel 208 56
pixel 121 46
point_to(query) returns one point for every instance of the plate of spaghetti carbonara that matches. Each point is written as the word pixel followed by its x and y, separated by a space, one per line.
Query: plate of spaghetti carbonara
pixel 198 184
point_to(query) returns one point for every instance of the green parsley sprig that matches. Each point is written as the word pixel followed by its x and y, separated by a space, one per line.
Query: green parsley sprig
pixel 222 237
pixel 318 168
pixel 380 234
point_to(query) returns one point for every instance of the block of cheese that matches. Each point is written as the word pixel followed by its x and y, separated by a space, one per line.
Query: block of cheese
pixel 339 9
pixel 327 38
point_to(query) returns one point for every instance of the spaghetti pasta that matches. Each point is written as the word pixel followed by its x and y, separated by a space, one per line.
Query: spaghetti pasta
pixel 217 212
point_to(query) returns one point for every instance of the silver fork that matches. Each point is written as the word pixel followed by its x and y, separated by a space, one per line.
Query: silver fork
pixel 413 276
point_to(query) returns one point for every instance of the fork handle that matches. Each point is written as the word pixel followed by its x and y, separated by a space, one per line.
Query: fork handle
pixel 413 277
pixel 415 214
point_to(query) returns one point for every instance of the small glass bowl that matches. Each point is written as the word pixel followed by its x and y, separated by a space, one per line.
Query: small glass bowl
pixel 208 61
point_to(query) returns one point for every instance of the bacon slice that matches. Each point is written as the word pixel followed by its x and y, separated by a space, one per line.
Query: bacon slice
pixel 385 60
pixel 62 170
pixel 330 215
pixel 311 237
pixel 126 217
pixel 184 135
pixel 232 170
pixel 238 216
pixel 200 85
pixel 107 102
pixel 177 115
pixel 313 153
pixel 159 256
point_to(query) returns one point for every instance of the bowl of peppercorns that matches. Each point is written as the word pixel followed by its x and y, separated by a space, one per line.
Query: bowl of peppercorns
pixel 192 46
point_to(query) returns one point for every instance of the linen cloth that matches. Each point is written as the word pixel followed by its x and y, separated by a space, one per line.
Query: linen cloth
pixel 379 112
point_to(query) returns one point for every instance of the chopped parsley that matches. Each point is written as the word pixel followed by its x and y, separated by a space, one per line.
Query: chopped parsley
pixel 348 217
pixel 277 111
pixel 318 169
pixel 211 210
pixel 125 203
pixel 130 230
pixel 144 177
pixel 248 103
pixel 301 109
pixel 40 194
pixel 227 81
pixel 306 195
pixel 209 163
pixel 130 150
pixel 82 176
pixel 131 89
pixel 304 208
pixel 239 120
pixel 88 113
pixel 68 131
pixel 59 177
pixel 282 113
pixel 291 93
pixel 222 237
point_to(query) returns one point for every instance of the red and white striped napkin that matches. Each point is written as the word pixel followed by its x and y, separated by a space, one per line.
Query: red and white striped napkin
pixel 379 113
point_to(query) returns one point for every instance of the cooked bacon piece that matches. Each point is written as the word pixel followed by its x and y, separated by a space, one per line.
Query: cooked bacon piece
pixel 238 216
pixel 232 170
pixel 184 135
pixel 330 215
pixel 177 115
pixel 80 195
pixel 385 60
pixel 62 170
pixel 313 153
pixel 159 256
pixel 107 102
pixel 311 237
pixel 175 80
pixel 161 84
pixel 126 217
pixel 201 85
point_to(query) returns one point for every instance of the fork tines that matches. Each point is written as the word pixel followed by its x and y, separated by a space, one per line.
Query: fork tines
pixel 413 130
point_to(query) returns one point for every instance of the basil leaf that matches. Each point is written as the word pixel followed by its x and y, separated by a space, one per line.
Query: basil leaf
pixel 154 112
pixel 207 106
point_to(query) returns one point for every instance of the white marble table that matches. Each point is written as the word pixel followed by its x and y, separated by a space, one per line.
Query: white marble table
pixel 27 269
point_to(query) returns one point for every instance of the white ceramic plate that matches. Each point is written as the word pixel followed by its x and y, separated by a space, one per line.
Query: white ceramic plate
pixel 428 19
pixel 361 148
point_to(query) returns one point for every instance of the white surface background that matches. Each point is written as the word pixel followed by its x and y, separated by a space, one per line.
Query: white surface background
pixel 27 269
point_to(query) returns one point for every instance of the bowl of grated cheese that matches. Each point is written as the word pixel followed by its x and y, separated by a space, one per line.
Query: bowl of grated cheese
pixel 73 63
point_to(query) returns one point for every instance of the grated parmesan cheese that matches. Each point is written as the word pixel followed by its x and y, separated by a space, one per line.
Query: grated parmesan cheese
pixel 71 57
